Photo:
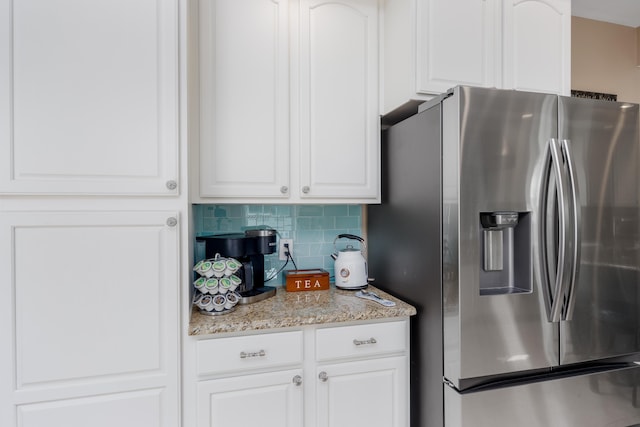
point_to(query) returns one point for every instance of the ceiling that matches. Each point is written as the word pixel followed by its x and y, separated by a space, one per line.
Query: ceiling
pixel 622 12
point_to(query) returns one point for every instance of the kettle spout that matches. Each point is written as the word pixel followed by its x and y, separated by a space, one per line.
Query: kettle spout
pixel 334 256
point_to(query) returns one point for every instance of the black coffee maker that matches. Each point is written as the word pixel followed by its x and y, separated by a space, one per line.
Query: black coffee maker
pixel 249 248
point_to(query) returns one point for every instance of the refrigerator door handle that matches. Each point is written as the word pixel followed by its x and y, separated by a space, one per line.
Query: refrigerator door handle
pixel 541 256
pixel 554 287
pixel 576 227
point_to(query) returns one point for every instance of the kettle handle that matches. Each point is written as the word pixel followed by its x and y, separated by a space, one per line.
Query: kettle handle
pixel 350 236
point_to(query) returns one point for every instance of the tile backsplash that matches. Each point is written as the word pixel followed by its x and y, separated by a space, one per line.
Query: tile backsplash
pixel 313 229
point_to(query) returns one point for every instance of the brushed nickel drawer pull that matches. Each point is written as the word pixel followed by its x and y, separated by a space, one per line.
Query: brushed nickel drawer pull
pixel 297 380
pixel 323 376
pixel 364 342
pixel 245 354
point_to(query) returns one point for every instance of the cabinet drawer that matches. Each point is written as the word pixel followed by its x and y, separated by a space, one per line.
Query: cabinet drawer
pixel 361 340
pixel 244 353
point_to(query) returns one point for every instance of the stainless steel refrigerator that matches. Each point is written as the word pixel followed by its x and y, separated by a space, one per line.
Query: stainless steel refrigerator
pixel 511 220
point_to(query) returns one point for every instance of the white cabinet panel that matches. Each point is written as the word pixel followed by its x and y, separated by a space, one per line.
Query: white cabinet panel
pixel 244 98
pixel 136 409
pixel 334 385
pixel 251 352
pixel 288 97
pixel 457 43
pixel 89 305
pixel 434 45
pixel 80 286
pixel 367 393
pixel 339 144
pixel 365 340
pixel 271 400
pixel 537 45
pixel 89 96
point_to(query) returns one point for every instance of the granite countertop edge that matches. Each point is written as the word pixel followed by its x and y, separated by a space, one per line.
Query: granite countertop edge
pixel 294 309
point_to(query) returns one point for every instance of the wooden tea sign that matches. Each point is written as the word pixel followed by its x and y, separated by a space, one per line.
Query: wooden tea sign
pixel 306 280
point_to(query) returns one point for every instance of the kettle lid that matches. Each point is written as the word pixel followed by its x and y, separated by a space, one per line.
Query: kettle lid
pixel 349 248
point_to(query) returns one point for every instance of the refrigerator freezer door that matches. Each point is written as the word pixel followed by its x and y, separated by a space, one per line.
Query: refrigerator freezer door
pixel 495 316
pixel 605 145
pixel 605 399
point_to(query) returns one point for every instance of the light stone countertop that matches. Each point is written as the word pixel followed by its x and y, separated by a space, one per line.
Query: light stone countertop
pixel 290 309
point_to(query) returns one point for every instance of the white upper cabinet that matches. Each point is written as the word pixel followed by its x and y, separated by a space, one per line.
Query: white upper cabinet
pixel 537 45
pixel 462 50
pixel 89 97
pixel 244 98
pixel 339 113
pixel 288 104
pixel 434 45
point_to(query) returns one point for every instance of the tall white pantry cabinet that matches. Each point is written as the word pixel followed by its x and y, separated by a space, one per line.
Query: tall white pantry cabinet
pixel 92 212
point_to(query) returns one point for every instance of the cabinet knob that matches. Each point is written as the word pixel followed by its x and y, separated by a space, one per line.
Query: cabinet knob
pixel 284 189
pixel 172 221
pixel 297 380
pixel 306 189
pixel 172 185
pixel 323 376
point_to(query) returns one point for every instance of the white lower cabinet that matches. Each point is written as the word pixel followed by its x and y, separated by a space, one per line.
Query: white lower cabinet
pixel 88 309
pixel 272 399
pixel 361 375
pixel 318 376
pixel 367 393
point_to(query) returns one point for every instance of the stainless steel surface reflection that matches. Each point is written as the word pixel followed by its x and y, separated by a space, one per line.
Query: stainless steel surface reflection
pixel 607 399
pixel 492 145
pixel 607 311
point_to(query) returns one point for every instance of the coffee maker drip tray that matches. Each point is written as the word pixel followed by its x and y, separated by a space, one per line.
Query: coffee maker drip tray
pixel 257 294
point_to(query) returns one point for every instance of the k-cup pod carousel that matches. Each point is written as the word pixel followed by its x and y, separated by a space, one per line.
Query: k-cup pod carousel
pixel 215 288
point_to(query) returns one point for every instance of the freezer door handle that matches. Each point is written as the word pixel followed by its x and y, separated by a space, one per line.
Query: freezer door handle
pixel 576 226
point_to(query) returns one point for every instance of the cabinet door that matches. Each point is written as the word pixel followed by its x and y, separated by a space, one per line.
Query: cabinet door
pixel 271 400
pixel 339 111
pixel 367 393
pixel 457 43
pixel 88 307
pixel 244 98
pixel 89 97
pixel 132 409
pixel 537 45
